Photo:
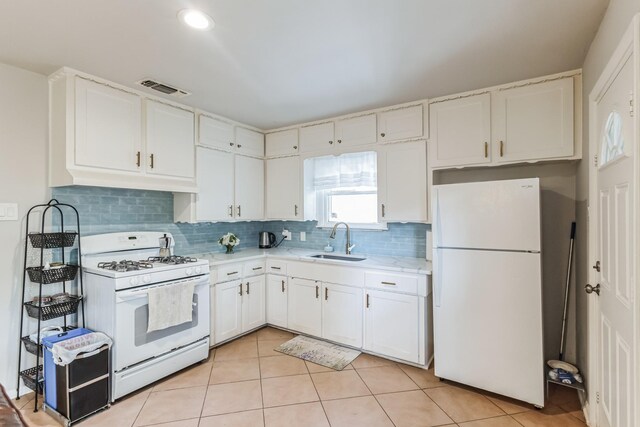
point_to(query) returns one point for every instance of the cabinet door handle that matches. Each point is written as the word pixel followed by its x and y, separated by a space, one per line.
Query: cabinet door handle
pixel 339 141
pixel 138 159
pixel 486 149
pixel 283 286
pixel 382 134
pixel 388 283
pixel 239 211
pixel 247 288
pixel 239 146
pixel 383 211
pixel 231 144
pixel 330 142
pixel 240 289
pixel 317 291
pixel 295 147
pixel 367 300
pixel 231 210
pixel 326 294
pixel 151 161
pixel 501 148
pixel 295 210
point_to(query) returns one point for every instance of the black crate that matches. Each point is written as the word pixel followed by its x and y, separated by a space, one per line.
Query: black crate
pixel 51 311
pixel 53 240
pixel 29 378
pixel 52 275
pixel 32 347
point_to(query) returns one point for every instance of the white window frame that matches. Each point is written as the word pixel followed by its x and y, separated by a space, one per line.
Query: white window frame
pixel 323 204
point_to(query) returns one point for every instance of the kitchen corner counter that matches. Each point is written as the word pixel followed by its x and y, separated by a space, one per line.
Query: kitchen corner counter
pixel 378 262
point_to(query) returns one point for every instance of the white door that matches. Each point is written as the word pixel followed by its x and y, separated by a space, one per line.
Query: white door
pixel 228 310
pixel 170 140
pixel 249 188
pixel 249 142
pixel 401 123
pixel 283 143
pixel 616 251
pixel 108 127
pixel 215 133
pixel 460 131
pixel 305 308
pixel 214 200
pixel 391 324
pixel 283 188
pixel 277 287
pixel 342 314
pixel 253 303
pixel 356 131
pixel 403 173
pixel 316 137
pixel 533 122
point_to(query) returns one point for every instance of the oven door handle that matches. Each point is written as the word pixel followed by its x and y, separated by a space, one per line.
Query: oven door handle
pixel 128 295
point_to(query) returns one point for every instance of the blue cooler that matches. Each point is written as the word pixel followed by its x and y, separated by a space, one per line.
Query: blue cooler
pixel 81 387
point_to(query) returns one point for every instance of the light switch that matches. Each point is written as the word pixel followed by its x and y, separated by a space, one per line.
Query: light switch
pixel 8 211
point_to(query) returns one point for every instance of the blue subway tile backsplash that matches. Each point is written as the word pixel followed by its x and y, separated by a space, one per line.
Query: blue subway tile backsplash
pixel 107 210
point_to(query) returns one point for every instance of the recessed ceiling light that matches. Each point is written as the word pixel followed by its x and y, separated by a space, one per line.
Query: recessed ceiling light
pixel 196 19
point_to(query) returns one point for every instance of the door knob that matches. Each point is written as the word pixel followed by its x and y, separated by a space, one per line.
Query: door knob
pixel 597 266
pixel 591 289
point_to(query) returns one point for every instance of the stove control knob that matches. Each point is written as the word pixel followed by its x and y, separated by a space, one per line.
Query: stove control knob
pixel 146 278
pixel 133 281
pixel 189 271
pixel 198 270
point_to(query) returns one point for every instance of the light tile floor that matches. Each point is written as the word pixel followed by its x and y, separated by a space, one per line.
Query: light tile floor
pixel 246 384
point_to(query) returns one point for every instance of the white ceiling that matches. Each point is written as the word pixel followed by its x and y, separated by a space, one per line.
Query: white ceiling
pixel 271 63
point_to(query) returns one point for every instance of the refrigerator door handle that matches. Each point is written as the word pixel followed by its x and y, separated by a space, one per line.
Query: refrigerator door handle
pixel 436 219
pixel 437 286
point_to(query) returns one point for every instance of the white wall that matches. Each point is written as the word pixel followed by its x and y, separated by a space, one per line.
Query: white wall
pixel 615 22
pixel 23 172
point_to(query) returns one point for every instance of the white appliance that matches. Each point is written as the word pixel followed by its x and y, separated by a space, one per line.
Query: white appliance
pixel 488 287
pixel 116 298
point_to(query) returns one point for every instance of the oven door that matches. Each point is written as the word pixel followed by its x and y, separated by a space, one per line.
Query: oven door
pixel 133 344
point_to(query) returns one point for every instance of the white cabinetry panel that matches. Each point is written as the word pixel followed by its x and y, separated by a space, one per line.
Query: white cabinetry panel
pixel 253 303
pixel 356 131
pixel 305 307
pixel 342 314
pixel 316 137
pixel 249 188
pixel 215 133
pixel 402 123
pixel 283 188
pixel 282 143
pixel 227 310
pixel 215 198
pixel 249 142
pixel 277 288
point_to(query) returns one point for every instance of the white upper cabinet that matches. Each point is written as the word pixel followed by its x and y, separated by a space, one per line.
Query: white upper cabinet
pixel 355 131
pixel 282 143
pixel 215 198
pixel 170 140
pixel 108 127
pixel 533 122
pixel 460 131
pixel 249 142
pixel 283 188
pixel 316 137
pixel 401 123
pixel 249 188
pixel 398 165
pixel 215 133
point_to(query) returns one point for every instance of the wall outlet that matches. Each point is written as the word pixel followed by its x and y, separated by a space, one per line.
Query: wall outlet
pixel 303 236
pixel 286 234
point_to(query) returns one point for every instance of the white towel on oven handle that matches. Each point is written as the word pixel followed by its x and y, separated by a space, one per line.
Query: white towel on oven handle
pixel 170 305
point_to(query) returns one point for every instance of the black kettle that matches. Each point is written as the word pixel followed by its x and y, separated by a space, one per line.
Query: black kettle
pixel 266 240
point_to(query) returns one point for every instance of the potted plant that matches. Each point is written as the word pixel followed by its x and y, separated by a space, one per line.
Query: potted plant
pixel 229 240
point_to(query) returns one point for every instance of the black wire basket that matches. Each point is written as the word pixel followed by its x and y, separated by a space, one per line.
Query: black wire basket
pixel 34 348
pixel 52 275
pixel 51 311
pixel 53 240
pixel 29 378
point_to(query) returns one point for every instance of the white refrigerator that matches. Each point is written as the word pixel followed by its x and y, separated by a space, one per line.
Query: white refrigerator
pixel 488 287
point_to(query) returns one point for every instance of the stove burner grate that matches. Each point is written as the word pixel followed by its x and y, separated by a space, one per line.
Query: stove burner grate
pixel 173 259
pixel 125 265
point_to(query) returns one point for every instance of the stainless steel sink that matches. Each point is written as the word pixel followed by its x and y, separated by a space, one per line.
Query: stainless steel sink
pixel 337 257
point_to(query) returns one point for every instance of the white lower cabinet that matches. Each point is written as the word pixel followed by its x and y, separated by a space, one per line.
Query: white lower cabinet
pixel 392 323
pixel 227 312
pixel 342 314
pixel 253 303
pixel 277 290
pixel 305 306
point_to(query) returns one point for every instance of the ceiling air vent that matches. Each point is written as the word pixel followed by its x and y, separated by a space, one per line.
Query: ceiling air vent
pixel 166 89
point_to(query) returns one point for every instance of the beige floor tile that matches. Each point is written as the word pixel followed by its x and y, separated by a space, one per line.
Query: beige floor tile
pixel 232 397
pixel 368 361
pixel 288 390
pixel 508 405
pixel 228 371
pixel 339 385
pixel 356 411
pixel 238 419
pixel 505 421
pixel 315 368
pixel 196 375
pixel 182 423
pixel 463 405
pixel 386 379
pixel 548 418
pixel 122 413
pixel 270 333
pixel 24 400
pixel 239 349
pixel 280 366
pixel 38 419
pixel 172 405
pixel 412 409
pixel 424 378
pixel 253 336
pixel 306 414
pixel 266 347
pixel 212 354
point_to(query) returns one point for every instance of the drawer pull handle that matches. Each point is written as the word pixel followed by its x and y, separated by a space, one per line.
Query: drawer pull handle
pixel 326 294
pixel 317 292
pixel 389 283
pixel 240 289
pixel 256 268
pixel 247 288
pixel 232 273
pixel 367 300
pixel 275 268
pixel 283 286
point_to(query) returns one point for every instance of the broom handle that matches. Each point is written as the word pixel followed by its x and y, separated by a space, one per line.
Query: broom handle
pixel 566 291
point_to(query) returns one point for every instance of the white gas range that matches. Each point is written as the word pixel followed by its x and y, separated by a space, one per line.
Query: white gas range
pixel 119 270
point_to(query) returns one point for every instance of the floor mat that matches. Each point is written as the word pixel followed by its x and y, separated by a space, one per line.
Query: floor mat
pixel 320 352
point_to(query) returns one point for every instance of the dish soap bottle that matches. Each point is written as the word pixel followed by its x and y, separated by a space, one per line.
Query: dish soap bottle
pixel 328 248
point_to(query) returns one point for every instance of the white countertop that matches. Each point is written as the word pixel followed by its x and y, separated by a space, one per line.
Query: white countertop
pixel 378 262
